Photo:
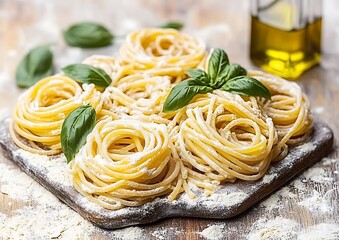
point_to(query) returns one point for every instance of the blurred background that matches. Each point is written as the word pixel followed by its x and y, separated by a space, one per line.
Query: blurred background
pixel 226 24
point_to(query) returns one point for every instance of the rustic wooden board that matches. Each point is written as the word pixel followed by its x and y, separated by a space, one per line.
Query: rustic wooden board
pixel 228 201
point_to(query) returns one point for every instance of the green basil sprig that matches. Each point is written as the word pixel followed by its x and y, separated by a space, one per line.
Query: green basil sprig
pixel 75 128
pixel 88 35
pixel 220 75
pixel 37 64
pixel 84 73
pixel 175 25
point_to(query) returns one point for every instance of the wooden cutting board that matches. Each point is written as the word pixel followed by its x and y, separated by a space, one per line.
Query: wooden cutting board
pixel 229 200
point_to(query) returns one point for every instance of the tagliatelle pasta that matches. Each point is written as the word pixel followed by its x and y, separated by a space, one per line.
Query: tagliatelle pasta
pixel 136 152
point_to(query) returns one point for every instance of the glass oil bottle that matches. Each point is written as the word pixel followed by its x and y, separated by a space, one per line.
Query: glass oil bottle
pixel 286 35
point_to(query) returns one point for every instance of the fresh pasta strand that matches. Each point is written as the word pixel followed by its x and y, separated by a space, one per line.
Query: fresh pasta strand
pixel 222 137
pixel 125 163
pixel 163 52
pixel 140 97
pixel 41 110
pixel 289 109
pixel 114 68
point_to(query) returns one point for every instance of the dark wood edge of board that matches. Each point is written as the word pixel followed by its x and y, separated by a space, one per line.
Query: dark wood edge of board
pixel 296 161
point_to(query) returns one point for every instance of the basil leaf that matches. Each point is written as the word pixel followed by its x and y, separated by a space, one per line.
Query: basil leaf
pixel 37 64
pixel 229 72
pixel 216 65
pixel 75 128
pixel 84 73
pixel 221 75
pixel 199 75
pixel 246 86
pixel 182 93
pixel 175 25
pixel 88 35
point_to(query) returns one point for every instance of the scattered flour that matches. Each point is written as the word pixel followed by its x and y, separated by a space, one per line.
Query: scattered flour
pixel 322 231
pixel 317 175
pixel 224 199
pixel 47 217
pixel 277 200
pixel 287 229
pixel 307 147
pixel 268 178
pixel 163 233
pixel 272 202
pixel 299 185
pixel 130 233
pixel 274 229
pixel 213 232
pixel 327 161
pixel 319 203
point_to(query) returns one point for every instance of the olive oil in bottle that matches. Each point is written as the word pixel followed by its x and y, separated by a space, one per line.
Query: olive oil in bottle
pixel 285 51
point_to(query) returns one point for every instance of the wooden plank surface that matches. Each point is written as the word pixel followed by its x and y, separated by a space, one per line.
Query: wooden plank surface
pixel 225 24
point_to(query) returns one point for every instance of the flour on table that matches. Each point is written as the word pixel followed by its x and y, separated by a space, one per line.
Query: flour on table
pixel 213 232
pixel 327 162
pixel 164 233
pixel 287 229
pixel 277 200
pixel 299 185
pixel 274 229
pixel 318 202
pixel 317 175
pixel 322 231
pixel 130 233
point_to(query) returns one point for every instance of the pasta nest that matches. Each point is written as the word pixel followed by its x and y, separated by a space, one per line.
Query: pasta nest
pixel 162 52
pixel 125 163
pixel 221 137
pixel 41 110
pixel 289 109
